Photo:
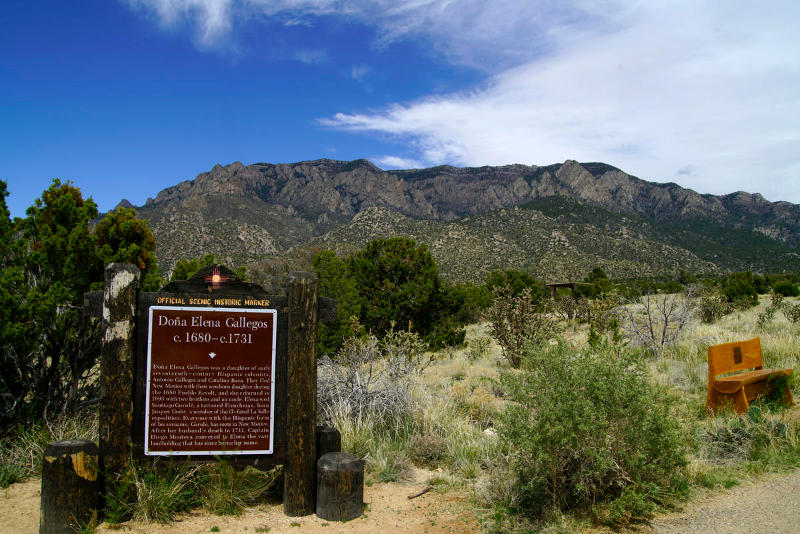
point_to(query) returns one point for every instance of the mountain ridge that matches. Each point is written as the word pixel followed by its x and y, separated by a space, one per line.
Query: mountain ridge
pixel 267 208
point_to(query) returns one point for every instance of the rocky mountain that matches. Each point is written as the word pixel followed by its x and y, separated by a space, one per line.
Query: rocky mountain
pixel 556 221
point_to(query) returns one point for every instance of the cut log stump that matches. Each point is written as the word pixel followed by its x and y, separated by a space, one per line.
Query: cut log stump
pixel 70 487
pixel 340 486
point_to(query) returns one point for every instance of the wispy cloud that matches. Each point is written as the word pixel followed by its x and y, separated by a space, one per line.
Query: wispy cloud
pixel 486 35
pixel 703 86
pixel 396 162
pixel 311 57
pixel 656 88
pixel 211 19
pixel 359 72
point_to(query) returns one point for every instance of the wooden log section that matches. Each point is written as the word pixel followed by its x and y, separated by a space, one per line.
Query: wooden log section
pixel 116 367
pixel 70 489
pixel 328 440
pixel 301 410
pixel 340 486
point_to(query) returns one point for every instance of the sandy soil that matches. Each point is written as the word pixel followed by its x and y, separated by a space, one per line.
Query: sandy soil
pixel 770 505
pixel 388 510
pixel 19 507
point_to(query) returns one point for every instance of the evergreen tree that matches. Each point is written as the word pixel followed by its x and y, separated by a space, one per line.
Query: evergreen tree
pixel 596 284
pixel 517 281
pixel 49 259
pixel 122 238
pixel 336 282
pixel 399 284
pixel 48 347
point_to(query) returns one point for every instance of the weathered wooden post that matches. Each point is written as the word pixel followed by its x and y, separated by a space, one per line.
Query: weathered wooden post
pixel 116 367
pixel 340 486
pixel 299 481
pixel 70 494
pixel 328 440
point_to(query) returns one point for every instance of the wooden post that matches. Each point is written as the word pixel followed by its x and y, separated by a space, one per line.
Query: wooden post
pixel 299 470
pixel 116 367
pixel 328 440
pixel 70 493
pixel 340 486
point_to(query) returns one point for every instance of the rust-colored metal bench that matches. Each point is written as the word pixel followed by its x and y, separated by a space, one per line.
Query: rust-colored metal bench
pixel 736 374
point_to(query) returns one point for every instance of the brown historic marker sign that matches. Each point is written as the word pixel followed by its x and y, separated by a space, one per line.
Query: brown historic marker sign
pixel 210 386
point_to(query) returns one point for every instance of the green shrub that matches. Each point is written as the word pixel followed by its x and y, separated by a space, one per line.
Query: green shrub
pixel 10 474
pixel 336 282
pixel 786 288
pixel 477 297
pixel 48 260
pixel 447 333
pixel 756 437
pixel 740 289
pixel 594 285
pixel 603 312
pixel 636 502
pixel 392 282
pixel 427 450
pixel 519 322
pixel 766 316
pixel 713 306
pixel 478 348
pixel 516 282
pixel 792 313
pixel 714 477
pixel 586 426
pixel 398 282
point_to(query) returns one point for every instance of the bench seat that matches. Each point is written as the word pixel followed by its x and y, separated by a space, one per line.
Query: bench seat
pixel 736 374
pixel 732 384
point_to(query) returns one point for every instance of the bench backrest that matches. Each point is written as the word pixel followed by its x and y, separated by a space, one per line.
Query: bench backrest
pixel 735 356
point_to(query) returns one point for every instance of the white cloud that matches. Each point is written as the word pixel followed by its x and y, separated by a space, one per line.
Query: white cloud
pixel 699 92
pixel 709 87
pixel 486 35
pixel 212 18
pixel 396 162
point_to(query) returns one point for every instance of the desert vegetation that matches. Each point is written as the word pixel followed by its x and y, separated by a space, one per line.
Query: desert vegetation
pixel 587 410
pixel 49 259
pixel 548 418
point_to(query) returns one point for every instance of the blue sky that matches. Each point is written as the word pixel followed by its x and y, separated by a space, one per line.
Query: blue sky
pixel 126 97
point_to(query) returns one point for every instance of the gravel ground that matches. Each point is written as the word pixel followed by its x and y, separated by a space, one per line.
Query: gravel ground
pixel 769 506
pixel 389 510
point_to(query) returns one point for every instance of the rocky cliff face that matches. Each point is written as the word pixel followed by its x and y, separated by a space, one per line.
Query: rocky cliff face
pixel 342 189
pixel 265 208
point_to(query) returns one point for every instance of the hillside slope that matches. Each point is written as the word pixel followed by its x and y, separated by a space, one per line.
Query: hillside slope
pixel 569 216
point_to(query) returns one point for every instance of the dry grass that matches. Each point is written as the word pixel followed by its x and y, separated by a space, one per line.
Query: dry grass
pixel 23 454
pixel 460 396
pixel 454 403
pixel 685 365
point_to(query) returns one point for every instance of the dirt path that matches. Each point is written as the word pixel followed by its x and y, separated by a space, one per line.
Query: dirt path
pixel 388 510
pixel 768 506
